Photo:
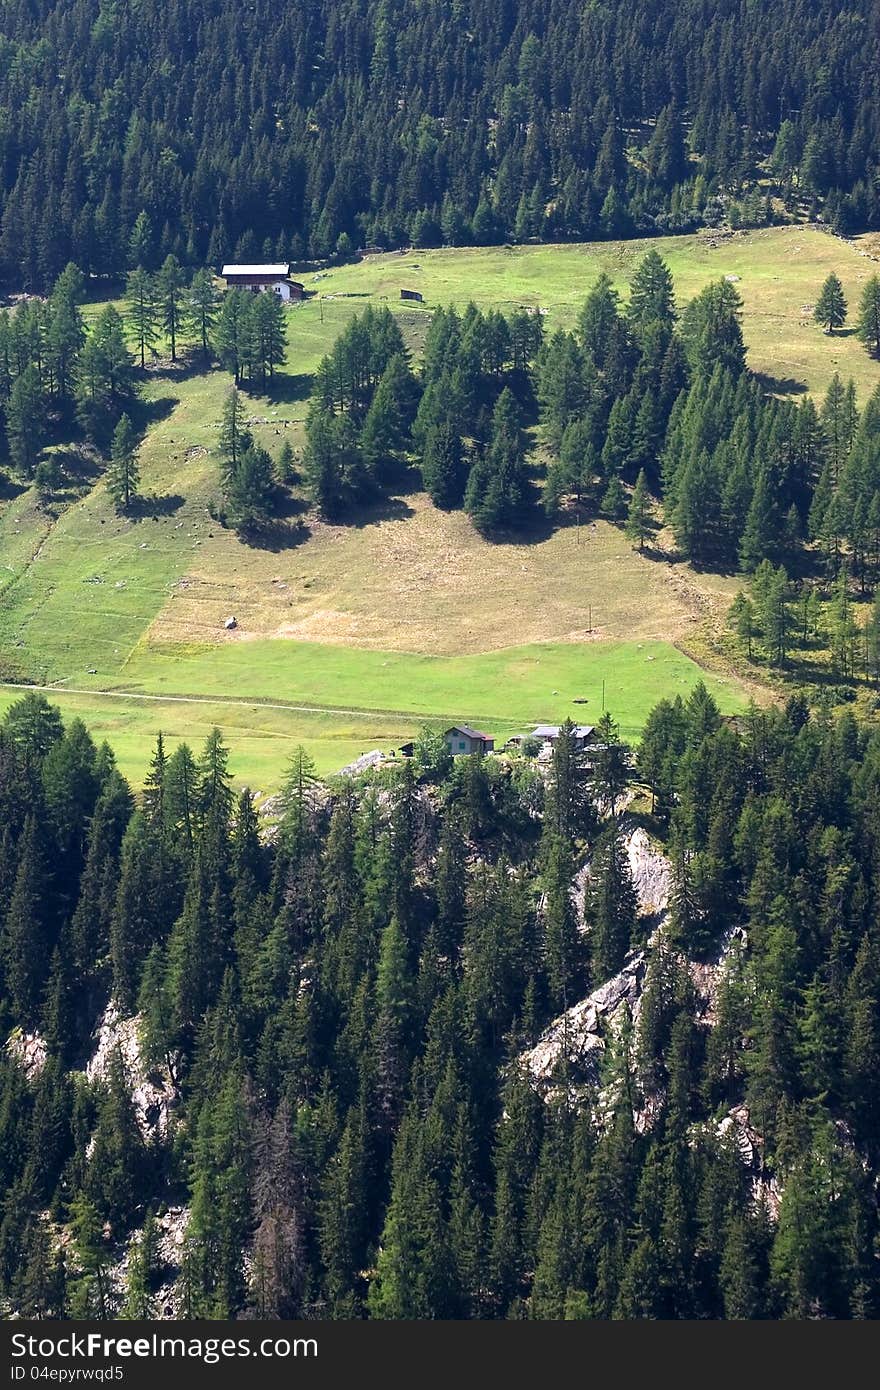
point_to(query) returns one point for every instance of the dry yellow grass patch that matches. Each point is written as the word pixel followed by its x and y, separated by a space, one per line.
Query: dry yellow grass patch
pixel 424 581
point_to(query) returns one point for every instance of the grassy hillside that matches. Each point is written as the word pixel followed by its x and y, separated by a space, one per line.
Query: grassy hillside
pixel 371 699
pixel 779 271
pixel 345 616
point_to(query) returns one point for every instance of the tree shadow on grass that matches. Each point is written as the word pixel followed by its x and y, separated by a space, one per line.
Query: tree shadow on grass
pixel 284 388
pixel 384 509
pixel 288 505
pixel 10 488
pixel 535 527
pixel 275 536
pixel 141 508
pixel 780 385
pixel 146 413
pixel 190 362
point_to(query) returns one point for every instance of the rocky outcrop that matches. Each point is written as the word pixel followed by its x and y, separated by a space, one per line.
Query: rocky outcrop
pixel 29 1049
pixel 749 1145
pixel 152 1088
pixel 578 1037
pixel 706 975
pixel 651 873
pixel 169 1230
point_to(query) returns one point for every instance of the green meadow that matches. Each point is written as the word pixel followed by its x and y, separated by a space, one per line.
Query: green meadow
pixel 368 699
pixel 405 617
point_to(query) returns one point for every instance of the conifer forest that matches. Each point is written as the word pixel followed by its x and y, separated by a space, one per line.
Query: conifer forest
pixel 573 1024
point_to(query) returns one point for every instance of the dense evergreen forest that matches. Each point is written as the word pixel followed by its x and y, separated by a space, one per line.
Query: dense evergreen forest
pixel 215 131
pixel 329 1090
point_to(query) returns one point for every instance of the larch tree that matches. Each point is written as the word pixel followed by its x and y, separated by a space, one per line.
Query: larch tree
pixel 123 472
pixel 638 517
pixel 868 327
pixel 202 306
pixel 143 310
pixel 831 307
pixel 170 287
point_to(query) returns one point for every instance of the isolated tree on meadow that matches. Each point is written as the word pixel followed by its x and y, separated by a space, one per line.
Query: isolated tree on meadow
pixel 285 468
pixel 831 305
pixel 638 517
pixel 123 474
pixel 868 326
pixel 251 488
pixel 651 295
pixel 235 437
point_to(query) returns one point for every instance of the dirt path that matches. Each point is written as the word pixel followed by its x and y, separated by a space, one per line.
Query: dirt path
pixel 254 703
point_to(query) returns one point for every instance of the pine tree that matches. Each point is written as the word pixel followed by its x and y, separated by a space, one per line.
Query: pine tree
pixel 612 905
pixel 830 307
pixel 395 1003
pixel 844 630
pixel 88 1245
pixel 220 1211
pixel 868 327
pixel 234 335
pixel 140 1305
pixel 639 514
pixel 651 296
pixel 170 286
pixel 741 617
pixel 386 430
pixel 567 802
pixel 235 438
pixel 33 726
pixel 710 328
pixel 141 242
pixel 609 764
pixel 123 474
pixel 250 491
pixel 285 467
pixel 563 951
pixel 269 336
pixel 413 1266
pixel 498 490
pixel 598 317
pixel 26 421
pixel 143 309
pixel 118 1164
pixel 26 935
pixel 614 504
pixel 201 308
pixel 760 536
pixel 442 465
